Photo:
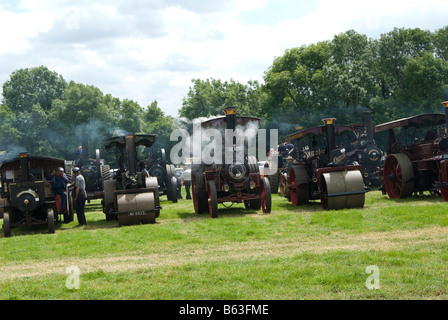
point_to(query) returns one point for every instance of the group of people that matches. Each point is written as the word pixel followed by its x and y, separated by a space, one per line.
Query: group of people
pixel 60 182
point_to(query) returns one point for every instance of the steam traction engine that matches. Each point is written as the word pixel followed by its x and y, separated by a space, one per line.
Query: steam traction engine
pixel 229 182
pixel 27 197
pixel 323 170
pixel 417 158
pixel 132 197
pixel 94 171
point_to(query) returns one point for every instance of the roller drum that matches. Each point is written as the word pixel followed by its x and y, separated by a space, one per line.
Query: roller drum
pixel 135 208
pixel 343 189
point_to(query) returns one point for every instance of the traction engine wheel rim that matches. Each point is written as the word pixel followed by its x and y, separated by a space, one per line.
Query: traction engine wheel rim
pixel 299 192
pixel 213 200
pixel 6 225
pixel 50 218
pixel 173 189
pixel 443 177
pixel 199 190
pixel 397 176
pixel 194 193
pixel 266 197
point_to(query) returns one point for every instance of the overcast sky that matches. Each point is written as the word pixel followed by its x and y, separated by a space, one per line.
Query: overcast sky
pixel 146 50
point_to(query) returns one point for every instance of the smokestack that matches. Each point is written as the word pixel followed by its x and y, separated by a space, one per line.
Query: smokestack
pixel 231 124
pixel 231 117
pixel 24 166
pixel 368 125
pixel 131 152
pixel 445 105
pixel 85 151
pixel 329 128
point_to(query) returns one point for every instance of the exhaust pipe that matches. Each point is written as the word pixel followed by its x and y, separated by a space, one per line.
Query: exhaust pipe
pixel 368 126
pixel 329 129
pixel 230 117
pixel 85 152
pixel 24 166
pixel 131 152
pixel 231 124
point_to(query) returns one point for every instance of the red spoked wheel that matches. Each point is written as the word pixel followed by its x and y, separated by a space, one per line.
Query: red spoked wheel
pixel 398 176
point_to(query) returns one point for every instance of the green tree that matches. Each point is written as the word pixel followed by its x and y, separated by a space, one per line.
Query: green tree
pixel 130 116
pixel 210 97
pixel 394 49
pixel 425 80
pixel 348 77
pixel 80 110
pixel 29 86
pixel 9 134
pixel 296 85
pixel 440 39
pixel 155 121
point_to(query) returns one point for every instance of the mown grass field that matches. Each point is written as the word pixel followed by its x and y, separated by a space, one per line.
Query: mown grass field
pixel 292 253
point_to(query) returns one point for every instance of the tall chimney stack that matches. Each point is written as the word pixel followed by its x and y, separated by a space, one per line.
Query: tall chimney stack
pixel 231 117
pixel 24 166
pixel 329 128
pixel 369 127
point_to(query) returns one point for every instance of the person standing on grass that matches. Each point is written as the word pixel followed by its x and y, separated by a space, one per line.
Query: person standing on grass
pixel 186 178
pixel 80 196
pixel 60 181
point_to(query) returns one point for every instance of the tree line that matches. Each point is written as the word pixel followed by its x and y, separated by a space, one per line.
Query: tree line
pixel 43 114
pixel 403 73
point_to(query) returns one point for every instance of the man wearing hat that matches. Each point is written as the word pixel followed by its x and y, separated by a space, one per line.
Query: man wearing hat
pixel 59 186
pixel 289 165
pixel 80 196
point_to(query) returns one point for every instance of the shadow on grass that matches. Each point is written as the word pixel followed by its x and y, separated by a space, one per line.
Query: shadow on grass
pixel 288 206
pixel 31 230
pixel 417 198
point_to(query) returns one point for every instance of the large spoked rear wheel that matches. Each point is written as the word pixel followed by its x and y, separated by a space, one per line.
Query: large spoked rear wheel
pixel 266 198
pixel 212 200
pixel 398 176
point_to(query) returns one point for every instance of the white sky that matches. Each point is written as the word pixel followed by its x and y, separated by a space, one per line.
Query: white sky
pixel 146 50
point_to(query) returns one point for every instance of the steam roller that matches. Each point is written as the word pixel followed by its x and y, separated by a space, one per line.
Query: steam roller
pixel 131 198
pixel 324 171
